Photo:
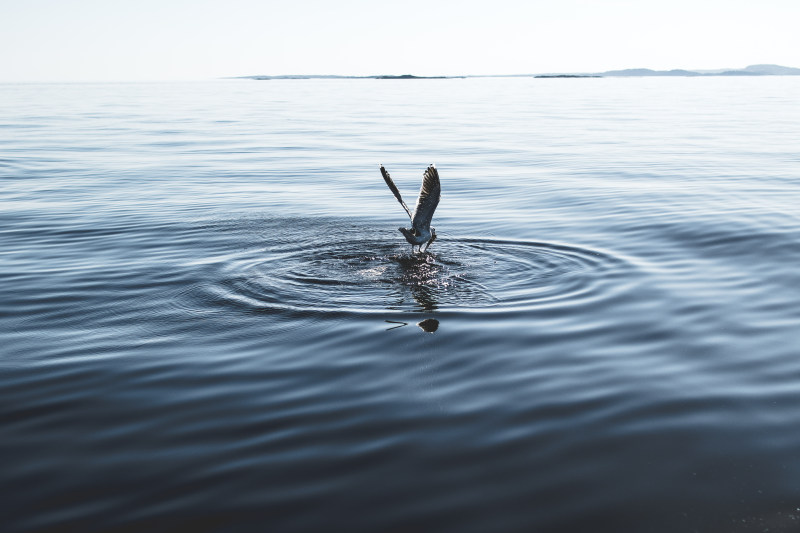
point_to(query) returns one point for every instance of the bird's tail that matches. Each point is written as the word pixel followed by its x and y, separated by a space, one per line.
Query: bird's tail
pixel 388 179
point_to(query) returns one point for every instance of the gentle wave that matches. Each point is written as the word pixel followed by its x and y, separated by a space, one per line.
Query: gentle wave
pixel 310 270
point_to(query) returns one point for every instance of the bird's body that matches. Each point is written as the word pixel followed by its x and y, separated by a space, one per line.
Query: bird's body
pixel 420 231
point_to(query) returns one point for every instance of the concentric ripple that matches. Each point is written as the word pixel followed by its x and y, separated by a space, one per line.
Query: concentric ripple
pixel 373 275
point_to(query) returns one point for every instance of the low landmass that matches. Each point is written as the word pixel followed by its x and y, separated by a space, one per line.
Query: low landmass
pixel 649 72
pixel 568 76
pixel 752 70
pixel 337 77
pixel 411 77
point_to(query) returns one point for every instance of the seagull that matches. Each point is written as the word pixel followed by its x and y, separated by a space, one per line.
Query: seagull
pixel 421 231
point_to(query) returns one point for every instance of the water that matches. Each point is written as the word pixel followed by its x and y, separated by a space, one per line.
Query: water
pixel 209 320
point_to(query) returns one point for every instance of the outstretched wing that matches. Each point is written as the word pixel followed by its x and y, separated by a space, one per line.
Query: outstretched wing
pixel 394 189
pixel 429 195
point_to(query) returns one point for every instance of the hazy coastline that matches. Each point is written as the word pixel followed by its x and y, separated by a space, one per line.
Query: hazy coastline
pixel 751 70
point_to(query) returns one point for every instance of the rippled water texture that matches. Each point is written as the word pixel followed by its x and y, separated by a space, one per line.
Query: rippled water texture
pixel 210 322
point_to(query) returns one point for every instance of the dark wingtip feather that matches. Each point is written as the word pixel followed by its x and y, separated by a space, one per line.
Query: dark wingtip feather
pixel 431 172
pixel 388 179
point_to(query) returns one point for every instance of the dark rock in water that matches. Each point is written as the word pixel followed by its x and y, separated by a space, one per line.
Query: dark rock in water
pixel 429 325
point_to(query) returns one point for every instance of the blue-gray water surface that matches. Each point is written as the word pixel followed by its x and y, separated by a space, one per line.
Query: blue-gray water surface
pixel 209 321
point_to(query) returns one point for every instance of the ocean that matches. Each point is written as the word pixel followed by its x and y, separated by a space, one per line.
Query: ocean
pixel 209 321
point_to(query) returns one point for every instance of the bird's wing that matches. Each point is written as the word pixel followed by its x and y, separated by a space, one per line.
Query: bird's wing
pixel 394 189
pixel 429 195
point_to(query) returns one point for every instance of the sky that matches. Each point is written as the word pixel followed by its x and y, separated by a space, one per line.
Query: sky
pixel 149 40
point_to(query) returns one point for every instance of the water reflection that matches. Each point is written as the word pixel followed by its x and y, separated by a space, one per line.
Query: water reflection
pixel 421 275
pixel 425 297
pixel 429 325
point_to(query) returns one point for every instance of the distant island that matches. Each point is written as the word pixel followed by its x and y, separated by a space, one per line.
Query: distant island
pixel 410 77
pixel 752 70
pixel 568 76
pixel 337 77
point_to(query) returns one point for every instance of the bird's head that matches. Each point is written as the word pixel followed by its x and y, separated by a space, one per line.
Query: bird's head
pixel 433 237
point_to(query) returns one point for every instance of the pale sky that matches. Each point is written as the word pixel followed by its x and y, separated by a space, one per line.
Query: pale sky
pixel 120 40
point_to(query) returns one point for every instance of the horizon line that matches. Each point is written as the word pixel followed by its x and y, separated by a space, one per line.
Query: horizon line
pixel 759 69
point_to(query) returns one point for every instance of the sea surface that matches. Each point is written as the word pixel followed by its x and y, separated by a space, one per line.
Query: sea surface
pixel 209 321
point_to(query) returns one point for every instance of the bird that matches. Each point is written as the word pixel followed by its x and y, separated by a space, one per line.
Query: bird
pixel 421 231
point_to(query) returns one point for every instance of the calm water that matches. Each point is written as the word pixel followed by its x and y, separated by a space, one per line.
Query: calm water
pixel 203 295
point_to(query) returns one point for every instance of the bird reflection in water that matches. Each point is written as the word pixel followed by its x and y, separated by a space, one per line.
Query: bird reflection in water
pixel 429 325
pixel 419 273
